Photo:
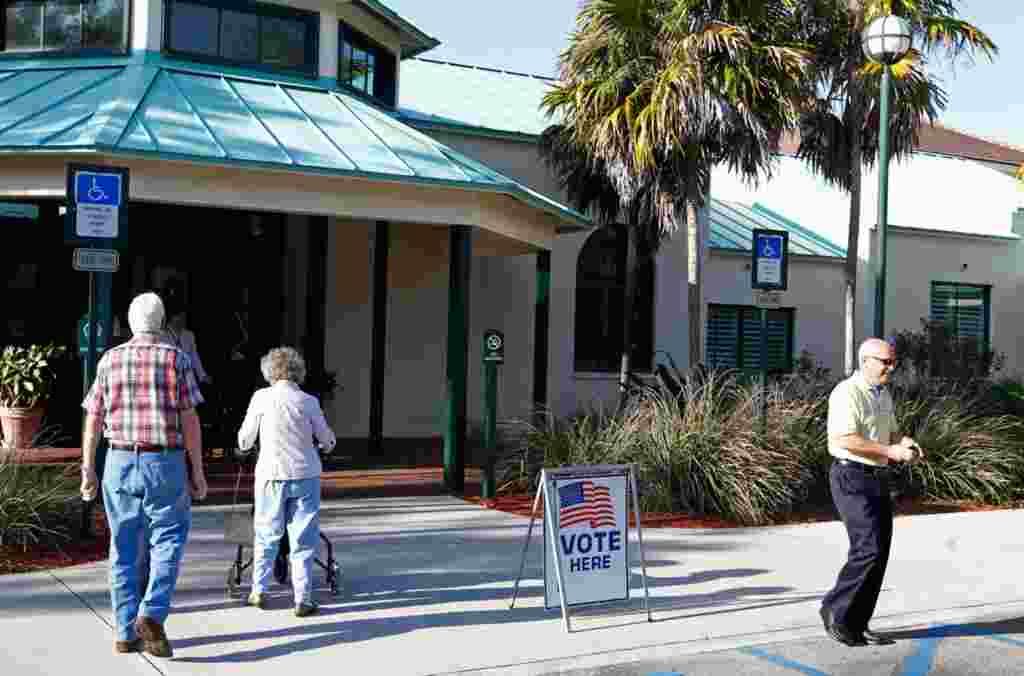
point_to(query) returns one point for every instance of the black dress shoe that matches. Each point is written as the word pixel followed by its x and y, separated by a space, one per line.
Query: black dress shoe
pixel 838 632
pixel 871 638
pixel 826 617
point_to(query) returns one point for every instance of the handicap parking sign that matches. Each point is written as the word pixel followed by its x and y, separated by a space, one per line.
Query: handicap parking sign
pixel 93 188
pixel 769 269
pixel 95 197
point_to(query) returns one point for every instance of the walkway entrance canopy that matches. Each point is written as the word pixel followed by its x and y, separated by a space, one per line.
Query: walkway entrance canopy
pixel 149 108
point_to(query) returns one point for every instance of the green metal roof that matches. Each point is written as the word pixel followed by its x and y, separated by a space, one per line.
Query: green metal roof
pixel 438 93
pixel 732 225
pixel 170 109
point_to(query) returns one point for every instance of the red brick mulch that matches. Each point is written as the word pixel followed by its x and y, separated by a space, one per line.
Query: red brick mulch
pixel 24 559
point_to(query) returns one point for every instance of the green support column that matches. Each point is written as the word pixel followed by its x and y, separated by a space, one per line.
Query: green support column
pixel 381 244
pixel 541 323
pixel 883 200
pixel 460 254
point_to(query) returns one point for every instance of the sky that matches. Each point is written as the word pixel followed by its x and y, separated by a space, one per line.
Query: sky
pixel 526 36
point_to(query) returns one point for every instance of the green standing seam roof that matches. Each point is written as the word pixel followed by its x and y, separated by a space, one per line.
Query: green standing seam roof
pixel 173 112
pixel 471 97
pixel 732 225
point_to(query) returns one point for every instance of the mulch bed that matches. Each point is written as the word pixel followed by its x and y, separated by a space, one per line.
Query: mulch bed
pixel 416 482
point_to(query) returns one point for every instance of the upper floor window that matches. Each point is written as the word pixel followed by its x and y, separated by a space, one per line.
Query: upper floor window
pixel 365 66
pixel 268 37
pixel 64 25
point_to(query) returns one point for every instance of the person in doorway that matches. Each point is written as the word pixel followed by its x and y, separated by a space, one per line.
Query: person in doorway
pixel 185 339
pixel 143 401
pixel 289 423
pixel 861 426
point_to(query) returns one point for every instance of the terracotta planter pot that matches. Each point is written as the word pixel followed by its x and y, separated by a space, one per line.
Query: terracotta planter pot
pixel 20 425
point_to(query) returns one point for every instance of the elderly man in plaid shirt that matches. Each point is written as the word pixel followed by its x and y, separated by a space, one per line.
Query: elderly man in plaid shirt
pixel 143 401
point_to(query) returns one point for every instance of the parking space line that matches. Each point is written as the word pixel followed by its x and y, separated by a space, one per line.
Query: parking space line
pixel 782 661
pixel 920 662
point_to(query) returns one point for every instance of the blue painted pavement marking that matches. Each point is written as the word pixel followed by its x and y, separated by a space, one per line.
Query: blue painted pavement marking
pixel 1007 639
pixel 783 662
pixel 919 663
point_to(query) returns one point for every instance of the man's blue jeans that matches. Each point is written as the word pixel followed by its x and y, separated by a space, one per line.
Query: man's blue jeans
pixel 145 494
pixel 293 504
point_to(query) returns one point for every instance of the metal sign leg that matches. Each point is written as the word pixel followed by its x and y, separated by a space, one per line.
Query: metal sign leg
pixel 526 543
pixel 551 525
pixel 640 540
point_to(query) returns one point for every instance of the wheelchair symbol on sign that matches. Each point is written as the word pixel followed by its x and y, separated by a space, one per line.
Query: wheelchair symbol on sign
pixel 493 342
pixel 767 250
pixel 96 193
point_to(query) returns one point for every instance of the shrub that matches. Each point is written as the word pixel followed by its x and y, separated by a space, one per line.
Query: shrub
pixel 35 502
pixel 969 456
pixel 935 352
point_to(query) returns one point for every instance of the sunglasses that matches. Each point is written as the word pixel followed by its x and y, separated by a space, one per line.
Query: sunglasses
pixel 887 362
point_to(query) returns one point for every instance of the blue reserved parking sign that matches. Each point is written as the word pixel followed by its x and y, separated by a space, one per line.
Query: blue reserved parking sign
pixel 770 266
pixel 96 188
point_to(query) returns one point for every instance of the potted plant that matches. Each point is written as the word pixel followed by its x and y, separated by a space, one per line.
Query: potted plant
pixel 27 376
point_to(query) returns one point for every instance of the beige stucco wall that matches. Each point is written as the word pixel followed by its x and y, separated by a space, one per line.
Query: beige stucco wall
pixel 519 160
pixel 501 296
pixel 815 293
pixel 569 391
pixel 915 259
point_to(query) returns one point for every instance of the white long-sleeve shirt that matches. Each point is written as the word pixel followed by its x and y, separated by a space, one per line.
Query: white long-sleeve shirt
pixel 287 420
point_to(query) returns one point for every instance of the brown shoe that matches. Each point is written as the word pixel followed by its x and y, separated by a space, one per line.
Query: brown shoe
pixel 132 646
pixel 154 640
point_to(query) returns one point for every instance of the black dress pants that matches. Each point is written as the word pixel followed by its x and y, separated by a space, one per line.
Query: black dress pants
pixel 862 498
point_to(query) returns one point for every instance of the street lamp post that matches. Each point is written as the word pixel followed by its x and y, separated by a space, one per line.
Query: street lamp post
pixel 886 40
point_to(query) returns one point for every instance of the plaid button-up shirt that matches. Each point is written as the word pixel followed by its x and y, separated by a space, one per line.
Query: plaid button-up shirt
pixel 141 387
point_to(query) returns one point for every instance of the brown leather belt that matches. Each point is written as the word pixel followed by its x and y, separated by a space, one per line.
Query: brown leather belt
pixel 137 448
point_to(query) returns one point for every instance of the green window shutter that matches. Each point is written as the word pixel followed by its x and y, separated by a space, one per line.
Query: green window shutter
pixel 734 338
pixel 723 337
pixel 779 339
pixel 964 309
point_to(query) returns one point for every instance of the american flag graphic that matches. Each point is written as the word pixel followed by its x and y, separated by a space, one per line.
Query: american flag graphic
pixel 584 502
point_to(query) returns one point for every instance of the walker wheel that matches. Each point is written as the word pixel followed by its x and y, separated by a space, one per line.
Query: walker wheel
pixel 232 587
pixel 280 570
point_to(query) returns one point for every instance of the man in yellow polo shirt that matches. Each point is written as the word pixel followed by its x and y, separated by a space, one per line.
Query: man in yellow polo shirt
pixel 861 426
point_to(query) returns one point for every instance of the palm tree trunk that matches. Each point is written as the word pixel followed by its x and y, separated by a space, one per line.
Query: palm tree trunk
pixel 695 299
pixel 855 108
pixel 627 310
pixel 852 256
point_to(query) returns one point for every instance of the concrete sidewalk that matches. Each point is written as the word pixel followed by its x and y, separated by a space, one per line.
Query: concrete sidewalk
pixel 427 583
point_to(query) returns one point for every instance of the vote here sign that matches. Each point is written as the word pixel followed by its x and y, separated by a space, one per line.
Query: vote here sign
pixel 591 536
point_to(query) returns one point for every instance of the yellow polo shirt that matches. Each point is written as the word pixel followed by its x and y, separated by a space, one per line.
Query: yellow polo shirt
pixel 854 407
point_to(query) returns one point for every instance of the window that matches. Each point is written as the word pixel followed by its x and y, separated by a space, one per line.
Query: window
pixel 64 25
pixel 365 66
pixel 734 338
pixel 268 37
pixel 600 293
pixel 964 310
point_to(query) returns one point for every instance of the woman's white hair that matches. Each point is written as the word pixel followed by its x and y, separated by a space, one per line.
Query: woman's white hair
pixel 283 363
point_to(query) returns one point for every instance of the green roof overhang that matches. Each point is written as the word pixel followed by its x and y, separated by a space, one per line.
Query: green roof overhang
pixel 150 107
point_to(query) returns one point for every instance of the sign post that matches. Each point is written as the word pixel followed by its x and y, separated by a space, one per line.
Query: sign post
pixel 493 355
pixel 586 537
pixel 769 276
pixel 96 196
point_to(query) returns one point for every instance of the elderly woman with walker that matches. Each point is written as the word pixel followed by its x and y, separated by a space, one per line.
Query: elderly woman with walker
pixel 289 424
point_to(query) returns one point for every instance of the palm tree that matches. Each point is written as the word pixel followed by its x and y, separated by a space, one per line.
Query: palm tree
pixel 839 126
pixel 653 94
